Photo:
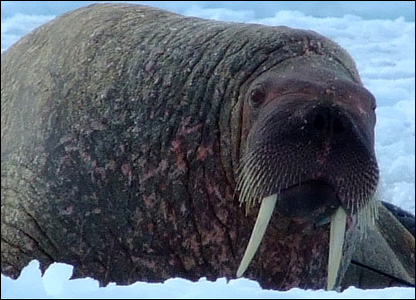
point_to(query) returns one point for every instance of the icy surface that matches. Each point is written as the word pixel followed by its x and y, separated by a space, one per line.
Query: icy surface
pixel 55 284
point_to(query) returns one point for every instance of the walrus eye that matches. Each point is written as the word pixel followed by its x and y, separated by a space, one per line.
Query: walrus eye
pixel 257 97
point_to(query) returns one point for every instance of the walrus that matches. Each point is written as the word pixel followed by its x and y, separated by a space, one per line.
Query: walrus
pixel 138 144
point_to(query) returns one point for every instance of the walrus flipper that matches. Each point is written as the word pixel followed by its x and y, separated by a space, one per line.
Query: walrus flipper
pixel 385 257
pixel 404 217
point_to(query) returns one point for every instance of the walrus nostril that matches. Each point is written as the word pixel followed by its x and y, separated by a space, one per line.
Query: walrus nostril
pixel 338 126
pixel 320 122
pixel 327 121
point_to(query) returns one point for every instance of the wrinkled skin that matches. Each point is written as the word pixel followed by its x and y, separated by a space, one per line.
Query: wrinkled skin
pixel 122 129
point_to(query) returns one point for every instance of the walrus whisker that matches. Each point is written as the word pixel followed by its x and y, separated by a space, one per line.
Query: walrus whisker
pixel 254 190
pixel 256 186
pixel 251 182
pixel 260 184
pixel 367 215
pixel 245 162
pixel 270 186
pixel 245 169
pixel 244 182
pixel 263 218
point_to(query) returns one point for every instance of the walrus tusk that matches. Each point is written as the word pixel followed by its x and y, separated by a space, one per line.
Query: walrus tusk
pixel 336 242
pixel 337 233
pixel 263 218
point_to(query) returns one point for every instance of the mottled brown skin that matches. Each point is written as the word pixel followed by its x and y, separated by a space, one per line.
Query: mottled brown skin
pixel 122 128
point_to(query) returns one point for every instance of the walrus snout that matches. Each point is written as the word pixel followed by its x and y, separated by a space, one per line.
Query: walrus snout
pixel 316 134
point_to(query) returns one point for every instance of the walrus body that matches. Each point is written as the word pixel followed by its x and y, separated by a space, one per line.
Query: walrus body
pixel 122 131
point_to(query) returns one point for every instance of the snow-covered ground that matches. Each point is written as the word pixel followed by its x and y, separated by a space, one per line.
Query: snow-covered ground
pixel 381 39
pixel 55 284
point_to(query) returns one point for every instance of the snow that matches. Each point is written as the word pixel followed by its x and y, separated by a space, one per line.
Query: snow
pixel 381 39
pixel 55 284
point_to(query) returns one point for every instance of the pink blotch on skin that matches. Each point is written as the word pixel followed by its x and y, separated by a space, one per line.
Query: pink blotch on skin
pixel 149 200
pixel 127 171
pixel 204 152
pixel 185 129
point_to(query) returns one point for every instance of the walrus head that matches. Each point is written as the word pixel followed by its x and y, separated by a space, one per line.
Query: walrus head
pixel 309 151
